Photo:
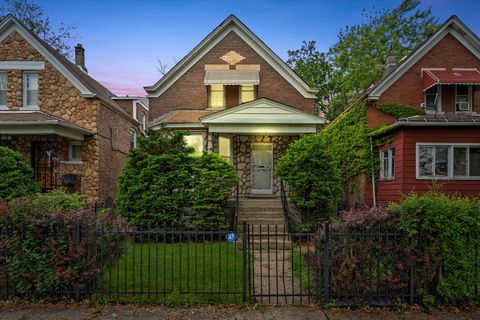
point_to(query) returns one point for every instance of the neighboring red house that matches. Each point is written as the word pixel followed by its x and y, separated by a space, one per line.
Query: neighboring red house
pixel 236 97
pixel 442 76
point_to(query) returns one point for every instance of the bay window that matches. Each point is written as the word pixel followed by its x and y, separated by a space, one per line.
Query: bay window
pixel 387 164
pixel 448 161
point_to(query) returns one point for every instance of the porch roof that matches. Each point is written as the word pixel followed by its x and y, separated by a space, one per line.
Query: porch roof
pixel 262 116
pixel 39 123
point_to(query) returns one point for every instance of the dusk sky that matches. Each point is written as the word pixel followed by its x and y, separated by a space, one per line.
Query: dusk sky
pixel 124 39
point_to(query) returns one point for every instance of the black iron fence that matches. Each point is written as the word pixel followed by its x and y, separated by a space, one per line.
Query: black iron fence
pixel 259 263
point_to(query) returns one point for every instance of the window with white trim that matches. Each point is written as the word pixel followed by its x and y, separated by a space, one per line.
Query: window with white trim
pixel 133 138
pixel 463 98
pixel 448 161
pixel 225 148
pixel 3 89
pixel 144 122
pixel 195 140
pixel 217 96
pixel 247 93
pixel 134 110
pixel 30 89
pixel 75 151
pixel 387 164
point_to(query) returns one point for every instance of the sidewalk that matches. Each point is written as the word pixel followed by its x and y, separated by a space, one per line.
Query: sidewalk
pixel 123 312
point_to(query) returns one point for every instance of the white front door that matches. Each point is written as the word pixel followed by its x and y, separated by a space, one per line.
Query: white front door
pixel 262 168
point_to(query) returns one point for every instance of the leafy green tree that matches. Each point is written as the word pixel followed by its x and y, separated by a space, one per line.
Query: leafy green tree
pixel 315 68
pixel 357 59
pixel 313 179
pixel 214 179
pixel 35 19
pixel 16 176
pixel 156 181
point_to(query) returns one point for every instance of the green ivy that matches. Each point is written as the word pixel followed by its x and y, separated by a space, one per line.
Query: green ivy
pixel 400 111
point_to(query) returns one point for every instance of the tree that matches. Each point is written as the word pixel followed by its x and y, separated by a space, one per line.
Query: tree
pixel 313 179
pixel 35 19
pixel 315 69
pixel 16 176
pixel 357 59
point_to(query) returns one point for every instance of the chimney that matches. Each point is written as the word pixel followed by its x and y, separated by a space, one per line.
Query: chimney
pixel 391 63
pixel 80 57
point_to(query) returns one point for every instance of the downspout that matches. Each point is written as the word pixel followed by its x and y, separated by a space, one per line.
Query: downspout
pixel 374 192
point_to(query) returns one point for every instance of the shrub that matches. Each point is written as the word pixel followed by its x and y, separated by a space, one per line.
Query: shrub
pixel 50 252
pixel 213 179
pixel 446 238
pixel 16 176
pixel 313 178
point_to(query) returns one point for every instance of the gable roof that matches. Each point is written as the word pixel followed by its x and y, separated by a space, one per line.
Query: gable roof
pixel 87 86
pixel 453 26
pixel 232 23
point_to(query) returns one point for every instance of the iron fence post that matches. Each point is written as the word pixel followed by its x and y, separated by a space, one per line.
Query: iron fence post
pixel 326 262
pixel 244 262
pixel 411 281
pixel 77 243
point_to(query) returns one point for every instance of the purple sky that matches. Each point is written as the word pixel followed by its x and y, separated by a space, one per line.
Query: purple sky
pixel 124 39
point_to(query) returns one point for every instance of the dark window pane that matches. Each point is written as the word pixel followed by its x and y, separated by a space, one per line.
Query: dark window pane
pixel 425 161
pixel 459 161
pixel 441 161
pixel 474 162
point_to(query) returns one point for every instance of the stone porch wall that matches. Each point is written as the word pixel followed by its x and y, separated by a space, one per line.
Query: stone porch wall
pixel 242 148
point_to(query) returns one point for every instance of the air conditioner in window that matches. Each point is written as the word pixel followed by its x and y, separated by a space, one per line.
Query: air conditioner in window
pixel 463 106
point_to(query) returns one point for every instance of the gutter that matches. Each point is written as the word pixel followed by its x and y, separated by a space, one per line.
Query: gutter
pixel 46 122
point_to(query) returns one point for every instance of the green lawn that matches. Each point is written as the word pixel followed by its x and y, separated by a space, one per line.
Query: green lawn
pixel 175 273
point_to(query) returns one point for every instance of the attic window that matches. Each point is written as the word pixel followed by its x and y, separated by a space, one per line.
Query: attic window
pixel 247 93
pixel 217 96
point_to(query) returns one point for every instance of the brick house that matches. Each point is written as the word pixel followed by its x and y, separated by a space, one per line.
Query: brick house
pixel 235 96
pixel 68 126
pixel 442 77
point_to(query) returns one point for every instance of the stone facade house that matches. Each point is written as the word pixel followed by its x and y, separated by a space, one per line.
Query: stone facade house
pixel 442 78
pixel 66 124
pixel 236 97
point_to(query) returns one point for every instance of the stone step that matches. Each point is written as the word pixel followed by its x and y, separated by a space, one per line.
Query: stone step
pixel 260 209
pixel 260 215
pixel 260 202
pixel 261 220
pixel 261 244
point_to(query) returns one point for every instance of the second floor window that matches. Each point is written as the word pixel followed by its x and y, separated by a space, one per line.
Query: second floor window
pixel 3 89
pixel 144 122
pixel 247 93
pixel 431 98
pixel 133 138
pixel 217 96
pixel 30 89
pixel 462 98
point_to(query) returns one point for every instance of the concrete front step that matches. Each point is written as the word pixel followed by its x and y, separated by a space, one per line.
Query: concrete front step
pixel 261 220
pixel 260 202
pixel 260 209
pixel 266 214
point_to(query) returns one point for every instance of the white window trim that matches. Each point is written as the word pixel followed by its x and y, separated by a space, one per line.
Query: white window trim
pixel 439 99
pixel 5 106
pixel 469 100
pixel 25 106
pixel 450 175
pixel 134 138
pixel 391 164
pixel 71 160
pixel 144 122
pixel 134 110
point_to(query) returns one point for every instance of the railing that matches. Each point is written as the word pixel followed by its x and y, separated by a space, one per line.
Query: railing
pixel 236 210
pixel 285 207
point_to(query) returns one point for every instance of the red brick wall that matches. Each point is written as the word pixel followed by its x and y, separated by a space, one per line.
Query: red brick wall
pixel 376 117
pixel 189 92
pixel 447 53
pixel 405 141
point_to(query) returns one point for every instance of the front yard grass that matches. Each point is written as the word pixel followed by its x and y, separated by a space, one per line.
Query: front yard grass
pixel 175 274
